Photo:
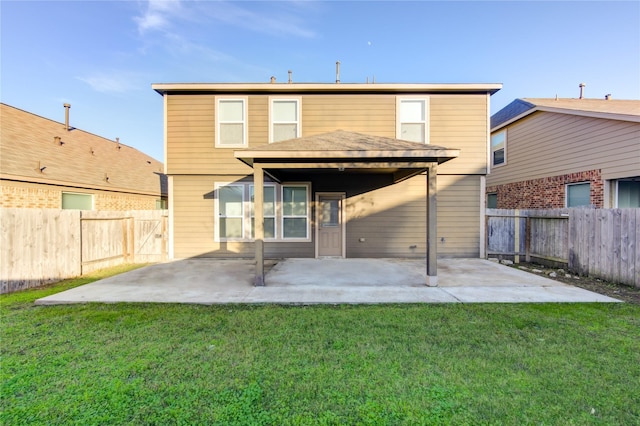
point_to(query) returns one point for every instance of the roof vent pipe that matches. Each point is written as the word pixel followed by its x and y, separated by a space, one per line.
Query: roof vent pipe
pixel 67 107
pixel 290 76
pixel 338 72
pixel 581 86
pixel 607 96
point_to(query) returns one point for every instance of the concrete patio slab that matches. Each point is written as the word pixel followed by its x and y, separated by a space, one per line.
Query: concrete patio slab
pixel 334 281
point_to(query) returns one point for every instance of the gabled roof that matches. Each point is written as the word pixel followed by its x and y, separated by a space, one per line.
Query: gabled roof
pixel 30 152
pixel 614 109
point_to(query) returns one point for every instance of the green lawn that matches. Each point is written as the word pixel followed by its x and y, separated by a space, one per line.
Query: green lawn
pixel 558 364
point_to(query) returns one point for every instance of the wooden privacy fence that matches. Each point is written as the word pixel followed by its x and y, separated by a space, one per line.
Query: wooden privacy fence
pixel 40 246
pixel 602 243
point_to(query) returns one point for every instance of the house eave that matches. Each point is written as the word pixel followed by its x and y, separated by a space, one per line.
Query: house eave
pixel 302 88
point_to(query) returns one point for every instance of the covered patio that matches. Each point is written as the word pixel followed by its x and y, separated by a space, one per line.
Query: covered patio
pixel 339 152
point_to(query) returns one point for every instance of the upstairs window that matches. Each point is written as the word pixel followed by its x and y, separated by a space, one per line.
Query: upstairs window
pixel 498 148
pixel 231 130
pixel 285 119
pixel 412 122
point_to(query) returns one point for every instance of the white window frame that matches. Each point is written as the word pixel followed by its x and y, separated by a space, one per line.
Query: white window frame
pixel 307 216
pixel 93 199
pixel 566 194
pixel 399 122
pixel 245 121
pixel 298 121
pixel 247 213
pixel 218 237
pixel 252 211
pixel 504 148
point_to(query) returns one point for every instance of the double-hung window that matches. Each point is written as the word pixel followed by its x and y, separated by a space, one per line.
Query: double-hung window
pixel 285 119
pixel 295 211
pixel 231 212
pixel 412 119
pixel 499 148
pixel 286 211
pixel 269 210
pixel 231 122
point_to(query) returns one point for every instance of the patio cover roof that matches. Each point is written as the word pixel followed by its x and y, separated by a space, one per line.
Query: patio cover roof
pixel 347 151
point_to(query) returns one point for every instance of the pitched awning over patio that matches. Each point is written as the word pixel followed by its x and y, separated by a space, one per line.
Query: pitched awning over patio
pixel 341 151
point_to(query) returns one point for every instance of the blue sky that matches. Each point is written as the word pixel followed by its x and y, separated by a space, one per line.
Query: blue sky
pixel 103 56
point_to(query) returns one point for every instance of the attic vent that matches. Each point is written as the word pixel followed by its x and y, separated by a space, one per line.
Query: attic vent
pixel 607 96
pixel 57 140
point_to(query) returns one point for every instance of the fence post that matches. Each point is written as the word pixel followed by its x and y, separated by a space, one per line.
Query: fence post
pixel 527 239
pixel 516 237
pixel 486 234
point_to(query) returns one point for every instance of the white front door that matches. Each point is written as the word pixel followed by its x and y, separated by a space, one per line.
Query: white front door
pixel 330 229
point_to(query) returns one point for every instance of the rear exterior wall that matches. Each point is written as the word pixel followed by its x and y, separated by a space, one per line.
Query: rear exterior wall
pixel 390 218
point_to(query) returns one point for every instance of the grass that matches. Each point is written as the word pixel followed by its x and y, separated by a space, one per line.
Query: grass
pixel 371 365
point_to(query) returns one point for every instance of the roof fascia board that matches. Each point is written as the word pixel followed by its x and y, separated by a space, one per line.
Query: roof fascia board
pixel 373 154
pixel 164 88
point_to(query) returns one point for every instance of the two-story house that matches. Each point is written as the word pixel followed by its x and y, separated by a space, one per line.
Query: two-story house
pixel 556 153
pixel 313 170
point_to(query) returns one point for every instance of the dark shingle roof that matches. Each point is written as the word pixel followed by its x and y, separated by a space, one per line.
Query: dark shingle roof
pixel 77 158
pixel 620 109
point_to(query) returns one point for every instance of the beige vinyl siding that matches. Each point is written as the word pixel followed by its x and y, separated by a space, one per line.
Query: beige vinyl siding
pixel 461 121
pixel 550 144
pixel 191 135
pixel 371 114
pixel 389 219
pixel 459 216
pixel 393 218
pixel 194 224
pixel 456 121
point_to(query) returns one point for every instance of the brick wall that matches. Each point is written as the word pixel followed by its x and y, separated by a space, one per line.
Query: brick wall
pixel 35 197
pixel 547 193
pixel 46 197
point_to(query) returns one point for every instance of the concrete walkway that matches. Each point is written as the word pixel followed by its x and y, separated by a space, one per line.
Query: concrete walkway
pixel 311 281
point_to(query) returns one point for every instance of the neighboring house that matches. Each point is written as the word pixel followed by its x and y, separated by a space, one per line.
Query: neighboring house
pixel 343 170
pixel 555 153
pixel 47 164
